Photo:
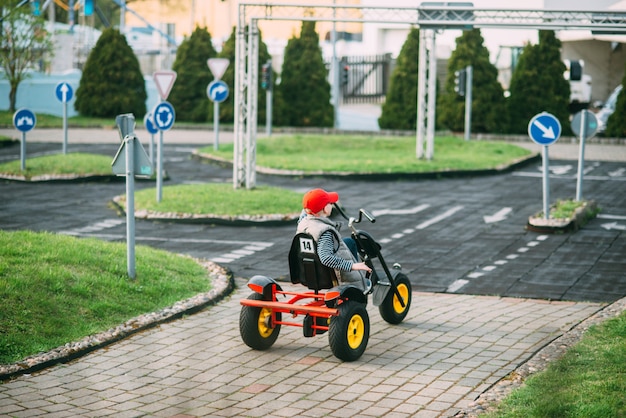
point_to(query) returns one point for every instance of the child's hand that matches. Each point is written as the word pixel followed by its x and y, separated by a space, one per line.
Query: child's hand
pixel 361 266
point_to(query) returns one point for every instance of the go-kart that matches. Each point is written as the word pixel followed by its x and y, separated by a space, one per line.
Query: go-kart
pixel 327 306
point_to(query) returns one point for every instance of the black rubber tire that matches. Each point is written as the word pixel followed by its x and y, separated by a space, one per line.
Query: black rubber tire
pixel 253 325
pixel 391 310
pixel 349 332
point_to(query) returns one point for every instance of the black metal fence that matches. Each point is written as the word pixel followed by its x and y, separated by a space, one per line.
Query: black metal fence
pixel 365 79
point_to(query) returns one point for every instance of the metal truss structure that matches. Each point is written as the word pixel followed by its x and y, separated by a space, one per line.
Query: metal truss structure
pixel 431 19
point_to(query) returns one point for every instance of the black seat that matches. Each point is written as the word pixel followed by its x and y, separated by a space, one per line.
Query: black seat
pixel 305 266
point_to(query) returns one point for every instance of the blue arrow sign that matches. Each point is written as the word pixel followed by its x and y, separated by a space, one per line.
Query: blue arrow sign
pixel 163 116
pixel 64 92
pixel 24 120
pixel 544 129
pixel 149 125
pixel 217 91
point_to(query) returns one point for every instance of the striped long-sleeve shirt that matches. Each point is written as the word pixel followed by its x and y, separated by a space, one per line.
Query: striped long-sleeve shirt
pixel 326 253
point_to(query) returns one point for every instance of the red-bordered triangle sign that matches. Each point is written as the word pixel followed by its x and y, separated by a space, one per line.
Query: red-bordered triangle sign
pixel 164 81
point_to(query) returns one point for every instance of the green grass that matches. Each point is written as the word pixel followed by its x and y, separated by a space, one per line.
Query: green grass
pixel 372 154
pixel 49 121
pixel 56 289
pixel 220 199
pixel 58 164
pixel 588 382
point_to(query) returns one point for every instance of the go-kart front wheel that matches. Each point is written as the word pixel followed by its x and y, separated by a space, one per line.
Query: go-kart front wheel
pixel 255 327
pixel 391 309
pixel 349 332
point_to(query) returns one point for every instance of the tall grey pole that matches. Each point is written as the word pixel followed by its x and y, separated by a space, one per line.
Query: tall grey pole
pixel 268 111
pixel 581 156
pixel 64 126
pixel 159 191
pixel 130 205
pixel 216 125
pixel 468 101
pixel 23 152
pixel 546 184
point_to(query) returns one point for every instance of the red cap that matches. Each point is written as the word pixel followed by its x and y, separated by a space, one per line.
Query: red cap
pixel 315 200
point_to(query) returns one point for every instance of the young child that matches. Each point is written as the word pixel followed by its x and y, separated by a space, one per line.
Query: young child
pixel 331 248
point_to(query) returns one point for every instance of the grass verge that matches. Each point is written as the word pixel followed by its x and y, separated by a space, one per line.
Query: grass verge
pixel 219 199
pixel 56 289
pixel 79 164
pixel 372 154
pixel 588 381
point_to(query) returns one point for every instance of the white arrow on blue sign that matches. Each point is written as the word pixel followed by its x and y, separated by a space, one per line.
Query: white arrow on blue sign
pixel 24 120
pixel 163 116
pixel 544 129
pixel 149 124
pixel 217 91
pixel 64 92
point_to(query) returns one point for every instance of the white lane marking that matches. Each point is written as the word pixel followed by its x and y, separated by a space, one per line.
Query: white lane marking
pixel 456 285
pixel 498 216
pixel 98 226
pixel 410 211
pixel 439 218
pixel 607 216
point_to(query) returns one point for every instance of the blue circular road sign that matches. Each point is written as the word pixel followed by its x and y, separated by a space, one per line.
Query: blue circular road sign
pixel 163 116
pixel 217 91
pixel 149 124
pixel 544 129
pixel 24 120
pixel 64 92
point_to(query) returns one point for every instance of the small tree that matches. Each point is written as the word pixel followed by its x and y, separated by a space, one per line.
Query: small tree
pixel 304 85
pixel 400 108
pixel 487 93
pixel 538 85
pixel 24 44
pixel 188 95
pixel 111 83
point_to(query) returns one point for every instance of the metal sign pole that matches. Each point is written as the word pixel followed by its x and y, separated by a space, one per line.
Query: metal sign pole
pixel 65 127
pixel 468 101
pixel 130 205
pixel 159 191
pixel 23 152
pixel 216 126
pixel 546 183
pixel 581 155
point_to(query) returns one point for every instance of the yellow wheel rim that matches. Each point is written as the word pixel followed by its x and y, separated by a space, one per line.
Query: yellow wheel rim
pixel 403 290
pixel 356 331
pixel 264 323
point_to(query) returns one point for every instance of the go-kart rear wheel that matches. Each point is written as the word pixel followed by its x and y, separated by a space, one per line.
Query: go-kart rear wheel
pixel 349 332
pixel 254 325
pixel 391 309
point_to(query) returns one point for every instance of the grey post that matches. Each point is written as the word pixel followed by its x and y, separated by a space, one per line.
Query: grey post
pixel 546 183
pixel 581 155
pixel 468 101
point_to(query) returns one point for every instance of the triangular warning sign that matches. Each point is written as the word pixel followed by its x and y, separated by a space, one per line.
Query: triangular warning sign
pixel 164 81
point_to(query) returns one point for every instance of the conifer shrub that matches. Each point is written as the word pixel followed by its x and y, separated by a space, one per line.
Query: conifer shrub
pixel 112 82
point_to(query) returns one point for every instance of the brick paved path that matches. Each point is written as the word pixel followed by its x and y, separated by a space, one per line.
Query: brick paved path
pixel 450 349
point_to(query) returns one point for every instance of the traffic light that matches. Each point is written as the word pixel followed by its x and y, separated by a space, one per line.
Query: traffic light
pixel 266 75
pixel 460 81
pixel 344 75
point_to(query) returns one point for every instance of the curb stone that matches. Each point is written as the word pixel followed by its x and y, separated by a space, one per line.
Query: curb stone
pixel 581 216
pixel 223 284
